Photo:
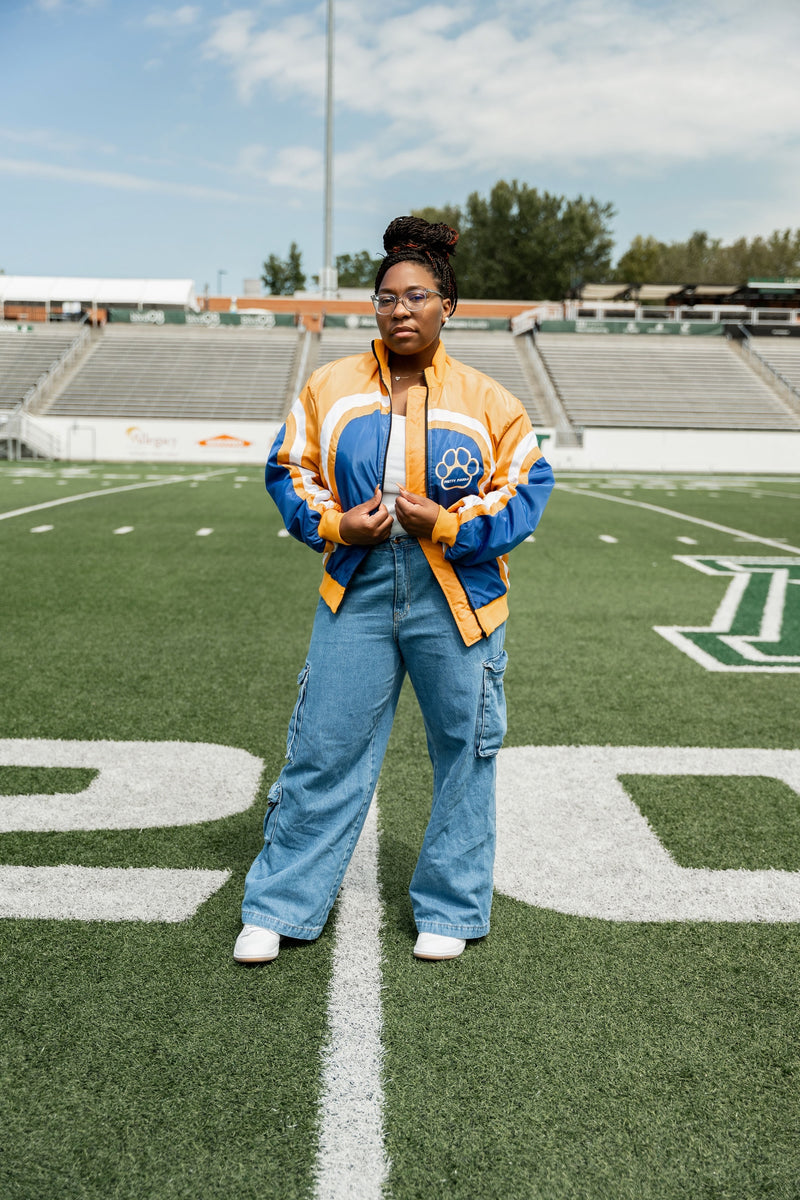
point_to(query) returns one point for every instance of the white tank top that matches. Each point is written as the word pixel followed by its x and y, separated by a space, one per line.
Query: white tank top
pixel 395 469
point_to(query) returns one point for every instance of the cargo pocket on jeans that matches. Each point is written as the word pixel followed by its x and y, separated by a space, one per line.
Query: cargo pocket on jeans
pixel 491 725
pixel 271 815
pixel 296 723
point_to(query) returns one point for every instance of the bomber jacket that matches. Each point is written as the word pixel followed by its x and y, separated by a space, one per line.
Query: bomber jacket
pixel 469 446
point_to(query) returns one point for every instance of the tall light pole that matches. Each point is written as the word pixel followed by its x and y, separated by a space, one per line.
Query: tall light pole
pixel 220 273
pixel 328 278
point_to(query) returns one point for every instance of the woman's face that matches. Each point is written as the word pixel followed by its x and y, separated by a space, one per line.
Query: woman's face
pixel 405 332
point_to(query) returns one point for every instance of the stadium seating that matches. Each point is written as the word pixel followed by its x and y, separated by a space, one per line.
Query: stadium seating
pixel 497 355
pixel 659 381
pixel 338 343
pixel 493 353
pixel 26 356
pixel 601 380
pixel 783 355
pixel 183 373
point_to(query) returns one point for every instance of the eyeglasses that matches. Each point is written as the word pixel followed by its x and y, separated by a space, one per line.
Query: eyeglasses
pixel 412 301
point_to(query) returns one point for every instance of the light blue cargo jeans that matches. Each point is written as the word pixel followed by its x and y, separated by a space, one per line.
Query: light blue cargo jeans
pixel 393 619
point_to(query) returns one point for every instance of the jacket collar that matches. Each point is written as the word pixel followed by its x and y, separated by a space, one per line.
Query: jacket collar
pixel 438 366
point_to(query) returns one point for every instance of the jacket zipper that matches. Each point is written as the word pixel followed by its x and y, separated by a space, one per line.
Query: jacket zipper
pixel 389 394
pixel 427 489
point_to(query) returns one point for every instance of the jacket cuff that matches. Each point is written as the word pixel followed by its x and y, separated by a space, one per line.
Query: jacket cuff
pixel 328 527
pixel 446 527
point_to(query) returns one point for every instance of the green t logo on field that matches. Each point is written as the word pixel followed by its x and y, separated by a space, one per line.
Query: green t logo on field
pixel 757 624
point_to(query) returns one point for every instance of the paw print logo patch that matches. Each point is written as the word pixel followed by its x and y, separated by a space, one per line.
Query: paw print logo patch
pixel 457 469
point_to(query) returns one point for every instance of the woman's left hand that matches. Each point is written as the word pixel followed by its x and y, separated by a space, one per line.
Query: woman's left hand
pixel 417 514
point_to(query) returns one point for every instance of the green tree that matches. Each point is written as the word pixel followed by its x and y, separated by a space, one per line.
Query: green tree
pixel 284 277
pixel 703 259
pixel 520 243
pixel 641 262
pixel 357 270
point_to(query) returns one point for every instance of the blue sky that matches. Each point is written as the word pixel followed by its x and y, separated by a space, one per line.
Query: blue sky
pixel 181 140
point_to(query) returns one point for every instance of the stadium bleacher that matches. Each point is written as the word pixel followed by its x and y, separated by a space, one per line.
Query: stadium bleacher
pixel 659 381
pixel 183 373
pixel 599 380
pixel 494 354
pixel 24 356
pixel 497 355
pixel 783 355
pixel 339 343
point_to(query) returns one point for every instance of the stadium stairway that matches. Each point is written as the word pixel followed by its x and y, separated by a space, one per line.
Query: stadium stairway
pixel 28 356
pixel 776 360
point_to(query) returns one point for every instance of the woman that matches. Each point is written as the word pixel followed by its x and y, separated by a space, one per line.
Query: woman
pixel 413 475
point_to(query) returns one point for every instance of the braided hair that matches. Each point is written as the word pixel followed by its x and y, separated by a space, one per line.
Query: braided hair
pixel 412 239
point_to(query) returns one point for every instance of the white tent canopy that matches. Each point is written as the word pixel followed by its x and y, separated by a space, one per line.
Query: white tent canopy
pixel 55 289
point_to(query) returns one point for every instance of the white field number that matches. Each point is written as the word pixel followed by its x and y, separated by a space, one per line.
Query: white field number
pixel 139 785
pixel 570 839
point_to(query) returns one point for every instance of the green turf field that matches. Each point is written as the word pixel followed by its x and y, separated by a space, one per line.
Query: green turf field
pixel 628 1031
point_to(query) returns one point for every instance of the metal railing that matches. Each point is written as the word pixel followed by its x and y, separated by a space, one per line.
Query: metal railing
pixel 299 372
pixel 45 385
pixel 764 367
pixel 21 431
pixel 565 432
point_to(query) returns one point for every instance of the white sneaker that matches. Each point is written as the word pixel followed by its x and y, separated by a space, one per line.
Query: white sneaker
pixel 434 946
pixel 256 945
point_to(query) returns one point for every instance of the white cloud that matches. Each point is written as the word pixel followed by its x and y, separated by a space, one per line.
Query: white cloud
pixel 56 140
pixel 287 55
pixel 112 179
pixel 632 85
pixel 177 18
pixel 58 5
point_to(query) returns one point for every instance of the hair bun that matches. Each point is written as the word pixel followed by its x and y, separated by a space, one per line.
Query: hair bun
pixel 415 233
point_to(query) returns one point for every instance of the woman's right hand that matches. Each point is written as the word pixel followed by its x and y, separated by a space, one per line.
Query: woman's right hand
pixel 366 524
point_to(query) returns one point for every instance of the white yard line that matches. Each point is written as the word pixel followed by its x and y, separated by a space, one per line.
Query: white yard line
pixel 669 512
pixel 666 481
pixel 352 1163
pixel 764 492
pixel 129 487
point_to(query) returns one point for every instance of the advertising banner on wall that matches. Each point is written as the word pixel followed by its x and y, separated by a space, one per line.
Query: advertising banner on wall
pixel 590 325
pixel 208 320
pixel 783 331
pixel 115 440
pixel 367 321
pixel 112 439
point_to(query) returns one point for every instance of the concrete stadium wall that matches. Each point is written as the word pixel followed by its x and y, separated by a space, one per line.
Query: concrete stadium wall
pixel 109 439
pixel 703 450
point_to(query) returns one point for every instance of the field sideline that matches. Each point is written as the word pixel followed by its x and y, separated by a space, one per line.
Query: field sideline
pixel 629 1029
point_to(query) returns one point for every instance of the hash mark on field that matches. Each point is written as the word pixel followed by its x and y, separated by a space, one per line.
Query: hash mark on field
pixel 124 529
pixel 687 541
pixel 606 537
pixel 41 528
pixel 128 487
pixel 283 533
pixel 204 532
pixel 740 534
